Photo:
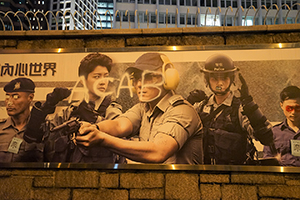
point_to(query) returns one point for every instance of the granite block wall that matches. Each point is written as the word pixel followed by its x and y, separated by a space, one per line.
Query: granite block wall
pixel 77 184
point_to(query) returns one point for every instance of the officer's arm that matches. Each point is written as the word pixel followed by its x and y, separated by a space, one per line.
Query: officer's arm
pixel 157 151
pixel 261 126
pixel 120 127
pixel 34 132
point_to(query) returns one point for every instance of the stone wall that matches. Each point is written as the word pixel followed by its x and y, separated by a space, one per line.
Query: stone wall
pixel 72 184
pixel 123 38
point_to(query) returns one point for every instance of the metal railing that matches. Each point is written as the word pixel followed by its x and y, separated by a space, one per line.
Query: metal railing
pixel 20 19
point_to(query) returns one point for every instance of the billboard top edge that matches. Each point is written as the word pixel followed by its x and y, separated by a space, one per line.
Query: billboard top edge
pixel 154 48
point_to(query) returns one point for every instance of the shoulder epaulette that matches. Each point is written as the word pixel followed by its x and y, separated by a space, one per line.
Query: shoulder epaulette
pixel 178 100
pixel 3 120
pixel 279 124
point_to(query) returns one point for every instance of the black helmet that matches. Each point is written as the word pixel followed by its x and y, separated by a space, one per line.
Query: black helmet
pixel 219 63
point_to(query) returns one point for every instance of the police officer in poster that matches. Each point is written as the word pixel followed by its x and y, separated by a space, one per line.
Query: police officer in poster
pixel 230 122
pixel 58 130
pixel 286 134
pixel 19 96
pixel 167 127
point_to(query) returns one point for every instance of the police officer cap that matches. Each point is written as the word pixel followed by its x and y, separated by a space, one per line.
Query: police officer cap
pixel 149 61
pixel 219 63
pixel 20 85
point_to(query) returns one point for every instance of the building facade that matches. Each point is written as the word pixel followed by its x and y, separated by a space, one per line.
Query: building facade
pixel 187 13
pixel 73 14
pixel 120 14
pixel 29 12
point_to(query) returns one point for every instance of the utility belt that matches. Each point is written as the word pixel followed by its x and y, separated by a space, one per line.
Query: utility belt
pixel 223 147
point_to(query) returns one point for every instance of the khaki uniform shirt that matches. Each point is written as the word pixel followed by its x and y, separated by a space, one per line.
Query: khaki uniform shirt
pixel 26 152
pixel 172 116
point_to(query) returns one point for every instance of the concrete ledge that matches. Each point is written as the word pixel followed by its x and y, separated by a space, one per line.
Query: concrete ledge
pixel 154 31
pixel 204 29
pixel 245 29
pixel 162 31
pixel 283 27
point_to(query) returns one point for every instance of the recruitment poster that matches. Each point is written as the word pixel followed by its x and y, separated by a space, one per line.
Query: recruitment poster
pixel 266 72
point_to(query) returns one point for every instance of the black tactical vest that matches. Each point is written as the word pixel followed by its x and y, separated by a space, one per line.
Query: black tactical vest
pixel 225 142
pixel 59 147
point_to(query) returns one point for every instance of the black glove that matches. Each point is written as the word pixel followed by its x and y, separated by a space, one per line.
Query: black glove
pixel 85 112
pixel 196 96
pixel 33 131
pixel 56 96
pixel 244 91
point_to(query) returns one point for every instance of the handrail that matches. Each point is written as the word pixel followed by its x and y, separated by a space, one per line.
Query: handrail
pixel 224 22
pixel 245 21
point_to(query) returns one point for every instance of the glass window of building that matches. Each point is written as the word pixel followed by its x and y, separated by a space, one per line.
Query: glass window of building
pixel 125 17
pixel 215 3
pixel 161 19
pixel 208 3
pixel 234 4
pixel 254 3
pixel 161 2
pixel 168 18
pixel 223 4
pixel 182 19
pixel 248 21
pixel 174 2
pixel 61 6
pixel 228 3
pixel 189 20
pixel 131 16
pixel 102 4
pixel 248 3
pixel 268 3
pixel 152 17
pixel 173 19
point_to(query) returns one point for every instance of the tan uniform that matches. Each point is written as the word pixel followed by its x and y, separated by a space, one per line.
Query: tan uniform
pixel 172 116
pixel 26 152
